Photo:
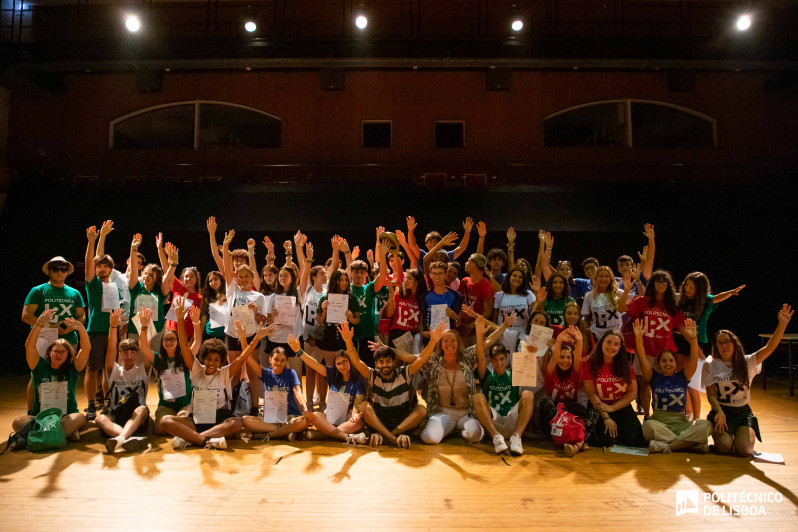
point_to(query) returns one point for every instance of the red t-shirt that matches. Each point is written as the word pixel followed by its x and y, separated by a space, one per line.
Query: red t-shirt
pixel 474 296
pixel 609 388
pixel 658 325
pixel 196 301
pixel 407 314
pixel 560 391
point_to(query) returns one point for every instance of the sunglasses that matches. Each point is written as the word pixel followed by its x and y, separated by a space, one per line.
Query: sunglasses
pixel 59 268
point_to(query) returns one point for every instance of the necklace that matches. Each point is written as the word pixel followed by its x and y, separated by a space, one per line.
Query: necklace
pixel 451 384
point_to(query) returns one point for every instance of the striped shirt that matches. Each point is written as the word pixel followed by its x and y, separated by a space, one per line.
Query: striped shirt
pixel 392 397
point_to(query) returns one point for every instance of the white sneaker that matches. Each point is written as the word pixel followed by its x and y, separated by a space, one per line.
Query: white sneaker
pixel 216 443
pixel 316 398
pixel 178 443
pixel 515 445
pixel 359 438
pixel 499 444
pixel 112 444
pixel 655 446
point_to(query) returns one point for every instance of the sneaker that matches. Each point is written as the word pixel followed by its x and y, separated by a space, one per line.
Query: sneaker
pixel 216 443
pixel 356 439
pixel 15 441
pixel 655 446
pixel 499 444
pixel 178 443
pixel 112 444
pixel 134 443
pixel 516 449
pixel 91 412
pixel 316 398
pixel 262 436
pixel 291 436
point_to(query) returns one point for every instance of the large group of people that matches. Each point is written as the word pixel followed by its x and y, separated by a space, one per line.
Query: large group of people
pixel 407 345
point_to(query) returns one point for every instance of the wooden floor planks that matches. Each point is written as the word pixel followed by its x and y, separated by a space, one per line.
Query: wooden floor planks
pixel 324 485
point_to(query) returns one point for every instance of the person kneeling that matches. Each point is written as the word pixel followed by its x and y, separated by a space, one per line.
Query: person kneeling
pixel 501 408
pixel 283 402
pixel 211 418
pixel 127 413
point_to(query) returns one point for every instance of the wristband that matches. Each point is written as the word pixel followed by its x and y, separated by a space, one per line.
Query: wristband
pixel 173 264
pixel 270 257
pixel 251 253
pixel 145 326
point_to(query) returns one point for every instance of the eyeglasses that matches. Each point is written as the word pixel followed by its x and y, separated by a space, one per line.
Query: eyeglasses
pixel 169 340
pixel 342 363
pixel 59 268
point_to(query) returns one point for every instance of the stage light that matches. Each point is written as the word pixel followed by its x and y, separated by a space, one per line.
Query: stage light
pixel 132 23
pixel 250 26
pixel 249 20
pixel 361 22
pixel 743 22
pixel 517 25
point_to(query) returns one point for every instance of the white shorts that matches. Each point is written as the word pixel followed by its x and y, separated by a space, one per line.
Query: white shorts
pixel 506 424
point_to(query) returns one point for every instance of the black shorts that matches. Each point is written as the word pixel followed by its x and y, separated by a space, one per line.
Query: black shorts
pixel 736 417
pixel 392 418
pixel 233 344
pixel 269 347
pixel 222 415
pixel 99 347
pixel 120 416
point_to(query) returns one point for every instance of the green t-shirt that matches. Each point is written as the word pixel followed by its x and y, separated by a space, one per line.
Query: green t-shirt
pixel 701 324
pixel 64 299
pixel 364 296
pixel 179 402
pixel 555 308
pixel 140 297
pixel 98 320
pixel 44 373
pixel 500 392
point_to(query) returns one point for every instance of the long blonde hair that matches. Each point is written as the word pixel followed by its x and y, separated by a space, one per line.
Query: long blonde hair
pixel 612 289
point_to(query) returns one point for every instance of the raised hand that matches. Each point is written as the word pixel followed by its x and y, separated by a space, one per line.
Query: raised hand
pixel 542 294
pixel 335 242
pixel 468 224
pixel 542 236
pixel 228 237
pixel 288 246
pixel 180 305
pixel 174 255
pixel 194 314
pixel 344 246
pixel 145 315
pixel 91 233
pixel 159 240
pixel 648 231
pixel 511 234
pixel 643 255
pixel 437 333
pixel 511 318
pixel 136 241
pixel 638 328
pixel 400 237
pixel 479 326
pixel 535 285
pixel 293 343
pixel 210 223
pixel 241 330
pixel 736 291
pixel 411 223
pixel 575 332
pixel 482 229
pixel 374 346
pixel 115 317
pixel 106 228
pixel 627 280
pixel 370 256
pixel 269 245
pixel 251 244
pixel 785 314
pixel 309 252
pixel 45 317
pixel 72 324
pixel 263 332
pixel 449 239
pixel 690 330
pixel 346 332
pixel 355 252
pixel 379 231
pixel 636 270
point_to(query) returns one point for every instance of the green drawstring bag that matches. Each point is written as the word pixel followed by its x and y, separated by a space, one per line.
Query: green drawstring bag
pixel 47 432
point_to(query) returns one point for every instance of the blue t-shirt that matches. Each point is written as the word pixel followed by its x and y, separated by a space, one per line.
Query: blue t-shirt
pixel 356 385
pixel 284 382
pixel 423 253
pixel 669 393
pixel 450 298
pixel 580 287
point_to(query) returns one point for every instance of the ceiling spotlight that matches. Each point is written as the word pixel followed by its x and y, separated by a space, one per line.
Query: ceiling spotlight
pixel 517 24
pixel 249 20
pixel 250 26
pixel 361 22
pixel 744 22
pixel 132 23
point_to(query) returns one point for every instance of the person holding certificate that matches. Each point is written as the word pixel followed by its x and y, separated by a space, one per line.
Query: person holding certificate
pixel 283 401
pixel 148 292
pixel 211 419
pixel 127 413
pixel 56 374
pixel 346 390
pixel 213 313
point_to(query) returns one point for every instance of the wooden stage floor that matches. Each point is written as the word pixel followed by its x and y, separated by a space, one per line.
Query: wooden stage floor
pixel 313 485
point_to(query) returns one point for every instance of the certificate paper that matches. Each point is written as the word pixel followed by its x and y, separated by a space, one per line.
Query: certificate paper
pixel 438 315
pixel 245 315
pixel 47 337
pixel 337 307
pixel 173 385
pixel 151 332
pixel 203 406
pixel 110 297
pixel 275 406
pixel 525 369
pixel 286 309
pixel 337 407
pixel 217 314
pixel 404 342
pixel 539 337
pixel 53 395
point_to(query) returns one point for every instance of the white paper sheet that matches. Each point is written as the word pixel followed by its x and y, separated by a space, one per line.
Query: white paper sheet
pixel 172 313
pixel 149 301
pixel 404 342
pixel 525 369
pixel 337 307
pixel 622 449
pixel 151 332
pixel 246 316
pixel 47 337
pixel 217 315
pixel 337 407
pixel 770 458
pixel 53 395
pixel 275 406
pixel 173 385
pixel 286 309
pixel 438 315
pixel 203 406
pixel 539 337
pixel 110 297
pixel 695 381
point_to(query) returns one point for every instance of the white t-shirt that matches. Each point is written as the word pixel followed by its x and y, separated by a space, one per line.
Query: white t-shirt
pixel 604 316
pixel 310 328
pixel 236 298
pixel 218 382
pixel 136 379
pixel 730 392
pixel 514 302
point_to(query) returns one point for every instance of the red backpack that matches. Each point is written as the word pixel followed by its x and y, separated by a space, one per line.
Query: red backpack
pixel 567 427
